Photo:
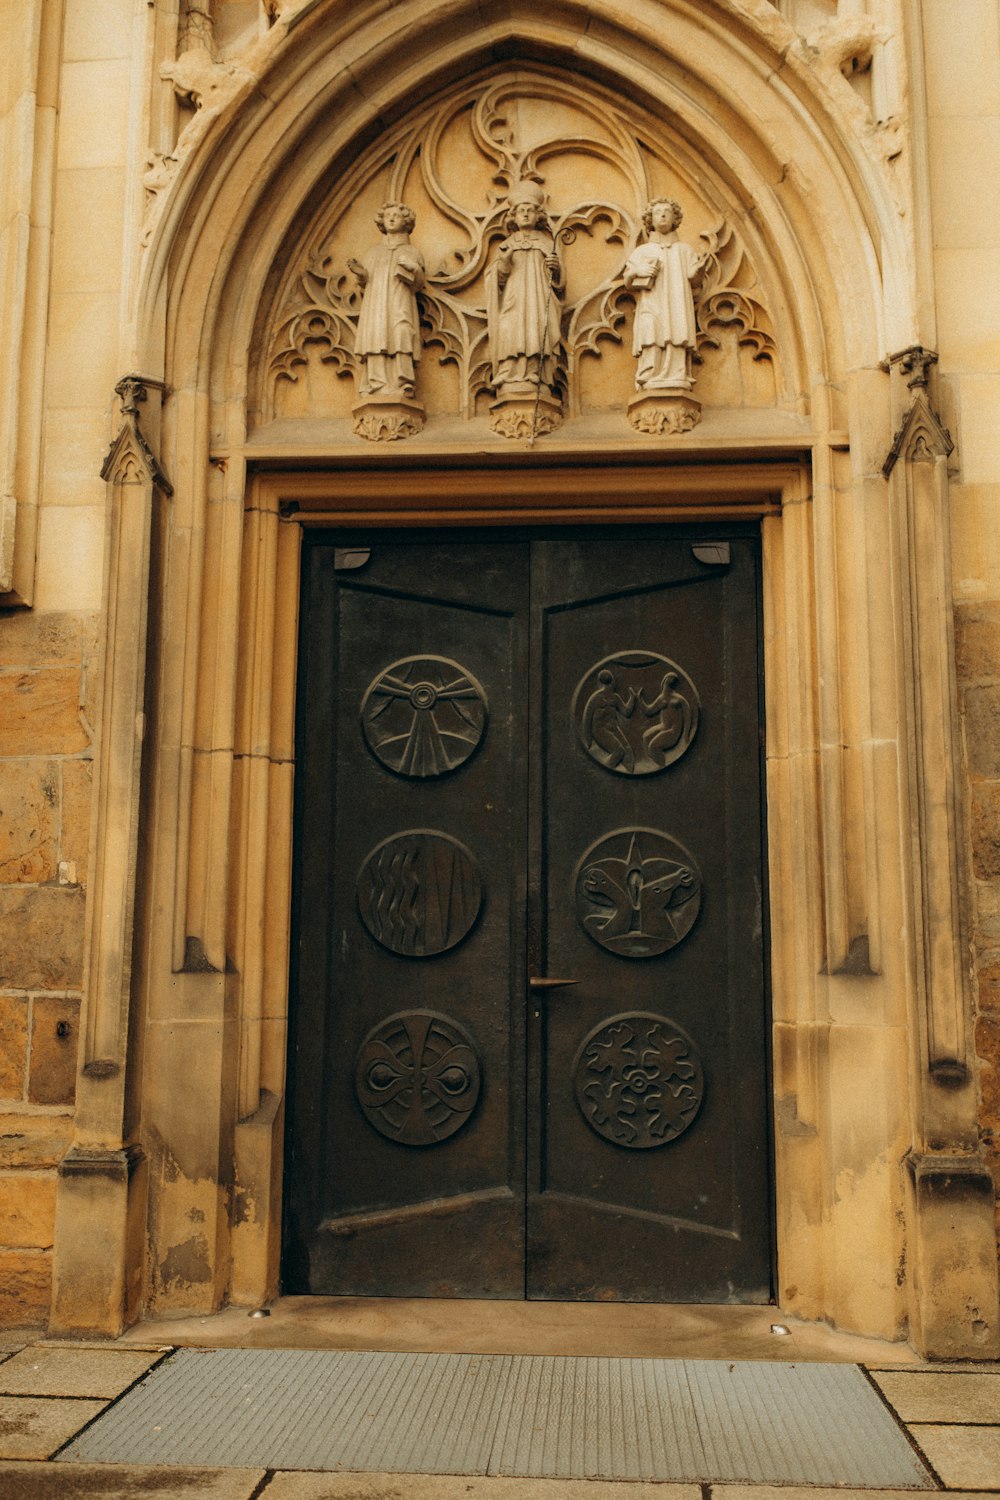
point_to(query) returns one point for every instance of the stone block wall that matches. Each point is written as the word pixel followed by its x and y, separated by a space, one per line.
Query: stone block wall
pixel 46 677
pixel 978 658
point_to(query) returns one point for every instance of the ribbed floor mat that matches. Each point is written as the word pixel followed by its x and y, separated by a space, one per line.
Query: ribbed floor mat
pixel 531 1416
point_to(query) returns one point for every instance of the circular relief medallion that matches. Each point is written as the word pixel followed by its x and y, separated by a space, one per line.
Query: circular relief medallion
pixel 423 716
pixel 419 892
pixel 417 1077
pixel 638 1080
pixel 635 712
pixel 638 892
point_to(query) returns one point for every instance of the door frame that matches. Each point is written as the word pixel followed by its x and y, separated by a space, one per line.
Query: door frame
pixel 283 498
pixel 336 533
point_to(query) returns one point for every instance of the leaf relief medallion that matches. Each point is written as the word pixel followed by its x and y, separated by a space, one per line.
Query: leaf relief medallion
pixel 419 892
pixel 636 712
pixel 417 1077
pixel 638 1080
pixel 638 892
pixel 423 716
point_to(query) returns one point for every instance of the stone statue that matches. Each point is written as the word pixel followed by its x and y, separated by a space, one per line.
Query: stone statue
pixel 388 337
pixel 660 272
pixel 523 286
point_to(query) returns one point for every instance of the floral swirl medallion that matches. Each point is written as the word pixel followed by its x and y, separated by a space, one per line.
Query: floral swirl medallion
pixel 638 1080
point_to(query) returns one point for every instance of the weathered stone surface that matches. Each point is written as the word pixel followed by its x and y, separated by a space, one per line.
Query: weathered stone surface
pixel 29 822
pixel 987 916
pixel 45 639
pixel 964 1457
pixel 41 938
pixel 988 1052
pixel 986 830
pixel 921 1397
pixel 982 729
pixel 13 1045
pixel 34 1481
pixel 977 641
pixel 989 983
pixel 74 832
pixel 25 1287
pixel 34 1140
pixel 290 1486
pixel 40 711
pixel 55 1041
pixel 27 1209
pixel 44 1370
pixel 31 1427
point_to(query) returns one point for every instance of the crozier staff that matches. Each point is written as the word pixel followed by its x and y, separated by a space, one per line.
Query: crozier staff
pixel 523 284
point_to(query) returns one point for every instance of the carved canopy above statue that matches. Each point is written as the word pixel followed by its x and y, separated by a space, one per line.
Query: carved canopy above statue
pixel 456 162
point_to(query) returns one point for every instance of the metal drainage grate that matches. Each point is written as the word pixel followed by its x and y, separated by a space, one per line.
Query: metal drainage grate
pixel 530 1416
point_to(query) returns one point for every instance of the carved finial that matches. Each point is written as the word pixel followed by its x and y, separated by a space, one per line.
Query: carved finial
pixel 131 390
pixel 130 446
pixel 916 363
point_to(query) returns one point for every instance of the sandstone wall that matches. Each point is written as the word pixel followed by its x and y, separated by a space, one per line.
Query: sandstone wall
pixel 46 663
pixel 63 191
pixel 81 102
pixel 962 51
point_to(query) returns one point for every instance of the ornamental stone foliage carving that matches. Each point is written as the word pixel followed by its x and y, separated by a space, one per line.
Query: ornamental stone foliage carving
pixel 522 325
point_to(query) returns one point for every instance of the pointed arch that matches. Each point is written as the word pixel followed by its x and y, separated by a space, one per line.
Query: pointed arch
pixel 744 103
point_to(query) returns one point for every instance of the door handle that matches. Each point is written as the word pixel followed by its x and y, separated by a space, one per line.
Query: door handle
pixel 536 982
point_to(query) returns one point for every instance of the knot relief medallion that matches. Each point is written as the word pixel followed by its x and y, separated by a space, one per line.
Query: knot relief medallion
pixel 417 1077
pixel 515 252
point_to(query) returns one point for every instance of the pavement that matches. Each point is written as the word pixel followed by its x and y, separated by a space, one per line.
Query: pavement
pixel 51 1390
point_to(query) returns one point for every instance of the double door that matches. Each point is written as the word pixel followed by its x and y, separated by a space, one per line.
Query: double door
pixel 528 1035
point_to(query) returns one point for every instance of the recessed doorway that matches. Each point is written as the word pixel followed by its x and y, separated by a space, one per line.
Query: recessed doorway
pixel 529 1030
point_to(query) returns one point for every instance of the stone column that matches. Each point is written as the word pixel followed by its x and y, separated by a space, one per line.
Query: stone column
pixel 100 1203
pixel 954 1304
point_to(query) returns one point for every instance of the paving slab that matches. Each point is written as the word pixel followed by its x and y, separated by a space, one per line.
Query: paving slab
pixel 298 1486
pixel 27 1481
pixel 47 1371
pixel 33 1427
pixel 796 1492
pixel 919 1397
pixel 938 1367
pixel 964 1457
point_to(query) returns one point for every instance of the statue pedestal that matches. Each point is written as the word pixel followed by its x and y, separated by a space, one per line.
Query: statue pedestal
pixel 524 414
pixel 663 412
pixel 384 418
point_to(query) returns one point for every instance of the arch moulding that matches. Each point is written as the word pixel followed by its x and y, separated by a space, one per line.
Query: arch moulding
pixel 884 1210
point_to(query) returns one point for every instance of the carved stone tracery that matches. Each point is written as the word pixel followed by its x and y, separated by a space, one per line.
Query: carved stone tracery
pixel 457 163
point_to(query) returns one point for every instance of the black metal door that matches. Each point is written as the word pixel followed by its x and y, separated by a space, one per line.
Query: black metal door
pixel 525 761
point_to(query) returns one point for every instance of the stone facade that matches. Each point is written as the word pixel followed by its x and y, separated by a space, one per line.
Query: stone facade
pixel 185 186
